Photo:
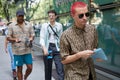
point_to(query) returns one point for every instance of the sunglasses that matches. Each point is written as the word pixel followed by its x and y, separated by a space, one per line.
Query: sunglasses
pixel 82 15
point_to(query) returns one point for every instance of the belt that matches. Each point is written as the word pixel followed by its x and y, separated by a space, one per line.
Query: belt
pixel 52 44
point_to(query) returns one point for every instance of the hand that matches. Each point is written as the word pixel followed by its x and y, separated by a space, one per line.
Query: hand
pixel 17 40
pixel 6 50
pixel 30 45
pixel 31 39
pixel 45 52
pixel 86 54
pixel 99 60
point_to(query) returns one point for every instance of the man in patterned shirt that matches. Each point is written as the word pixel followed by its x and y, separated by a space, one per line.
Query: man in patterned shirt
pixel 77 44
pixel 18 33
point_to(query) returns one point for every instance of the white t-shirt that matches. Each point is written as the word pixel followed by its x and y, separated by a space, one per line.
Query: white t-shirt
pixel 52 35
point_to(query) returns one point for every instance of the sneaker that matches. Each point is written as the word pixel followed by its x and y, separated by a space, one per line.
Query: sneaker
pixel 14 75
pixel 14 78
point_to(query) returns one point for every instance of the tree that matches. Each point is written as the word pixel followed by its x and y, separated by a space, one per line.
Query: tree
pixel 1 9
pixel 8 8
pixel 30 9
pixel 41 12
pixel 5 7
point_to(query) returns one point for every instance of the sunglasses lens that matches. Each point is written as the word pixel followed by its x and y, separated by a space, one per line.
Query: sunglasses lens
pixel 81 16
pixel 87 14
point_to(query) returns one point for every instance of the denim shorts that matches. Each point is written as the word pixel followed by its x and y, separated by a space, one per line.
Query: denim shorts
pixel 22 59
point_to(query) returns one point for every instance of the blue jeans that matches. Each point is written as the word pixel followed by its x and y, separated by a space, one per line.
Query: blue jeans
pixel 9 47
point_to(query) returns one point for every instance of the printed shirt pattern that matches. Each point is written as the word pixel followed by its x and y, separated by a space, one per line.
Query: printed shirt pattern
pixel 74 40
pixel 15 31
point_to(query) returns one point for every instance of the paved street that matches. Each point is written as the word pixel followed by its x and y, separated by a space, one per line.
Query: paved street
pixel 38 67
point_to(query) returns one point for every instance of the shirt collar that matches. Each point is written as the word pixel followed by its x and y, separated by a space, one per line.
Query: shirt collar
pixel 54 24
pixel 25 23
pixel 79 29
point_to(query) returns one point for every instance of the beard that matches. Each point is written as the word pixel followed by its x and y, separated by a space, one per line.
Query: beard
pixel 20 20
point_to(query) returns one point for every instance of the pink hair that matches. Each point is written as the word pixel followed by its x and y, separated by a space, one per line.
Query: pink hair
pixel 77 5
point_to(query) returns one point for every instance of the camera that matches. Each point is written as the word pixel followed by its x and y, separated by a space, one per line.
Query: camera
pixel 28 43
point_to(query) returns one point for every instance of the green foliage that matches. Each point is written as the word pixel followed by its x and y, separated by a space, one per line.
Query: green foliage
pixel 1 9
pixel 41 12
pixel 8 9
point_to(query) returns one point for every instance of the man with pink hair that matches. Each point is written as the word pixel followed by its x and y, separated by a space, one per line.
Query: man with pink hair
pixel 77 44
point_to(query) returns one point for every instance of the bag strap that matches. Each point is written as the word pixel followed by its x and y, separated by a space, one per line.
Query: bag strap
pixel 53 31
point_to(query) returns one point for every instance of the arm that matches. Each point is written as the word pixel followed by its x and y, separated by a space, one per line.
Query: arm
pixel 42 39
pixel 65 50
pixel 82 54
pixel 6 43
pixel 32 33
pixel 45 51
pixel 13 39
pixel 9 35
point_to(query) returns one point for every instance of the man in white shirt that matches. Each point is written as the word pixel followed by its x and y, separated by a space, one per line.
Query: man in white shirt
pixel 49 40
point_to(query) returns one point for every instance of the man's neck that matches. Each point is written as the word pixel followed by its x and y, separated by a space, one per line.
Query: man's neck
pixel 20 23
pixel 52 23
pixel 80 27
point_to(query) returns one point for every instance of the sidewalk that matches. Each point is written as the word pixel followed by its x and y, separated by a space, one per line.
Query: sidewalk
pixel 5 68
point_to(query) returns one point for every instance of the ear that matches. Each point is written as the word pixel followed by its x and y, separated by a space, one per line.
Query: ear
pixel 56 16
pixel 72 15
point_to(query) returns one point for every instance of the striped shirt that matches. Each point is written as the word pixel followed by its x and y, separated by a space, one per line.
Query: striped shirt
pixel 74 40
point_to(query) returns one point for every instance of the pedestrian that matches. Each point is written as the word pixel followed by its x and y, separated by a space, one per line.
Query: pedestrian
pixel 77 44
pixel 49 40
pixel 8 49
pixel 21 35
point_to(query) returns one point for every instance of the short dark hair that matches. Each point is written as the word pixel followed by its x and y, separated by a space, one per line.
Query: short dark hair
pixel 52 11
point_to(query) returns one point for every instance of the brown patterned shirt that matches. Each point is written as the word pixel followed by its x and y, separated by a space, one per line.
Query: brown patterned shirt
pixel 74 40
pixel 15 31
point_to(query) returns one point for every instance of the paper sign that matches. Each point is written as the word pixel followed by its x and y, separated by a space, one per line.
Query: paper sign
pixel 99 53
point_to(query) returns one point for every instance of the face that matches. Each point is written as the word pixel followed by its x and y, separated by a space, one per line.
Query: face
pixel 20 19
pixel 80 17
pixel 52 17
